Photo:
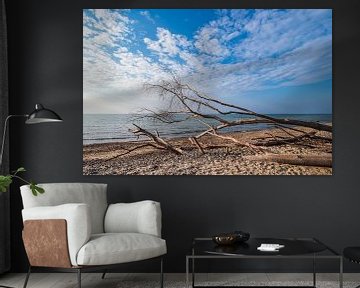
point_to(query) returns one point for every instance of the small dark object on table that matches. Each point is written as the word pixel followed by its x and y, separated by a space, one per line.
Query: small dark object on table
pixel 231 238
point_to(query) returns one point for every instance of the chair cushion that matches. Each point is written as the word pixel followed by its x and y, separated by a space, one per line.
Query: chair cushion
pixel 114 248
pixel 352 253
pixel 78 222
pixel 56 194
pixel 137 217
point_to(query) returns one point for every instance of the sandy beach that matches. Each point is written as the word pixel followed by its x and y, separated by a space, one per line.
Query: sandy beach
pixel 100 159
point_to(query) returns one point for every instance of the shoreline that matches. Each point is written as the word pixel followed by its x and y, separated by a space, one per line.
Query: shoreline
pixel 223 158
pixel 166 138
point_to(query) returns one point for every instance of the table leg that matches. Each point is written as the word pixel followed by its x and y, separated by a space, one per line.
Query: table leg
pixel 193 272
pixel 193 267
pixel 314 271
pixel 187 272
pixel 341 273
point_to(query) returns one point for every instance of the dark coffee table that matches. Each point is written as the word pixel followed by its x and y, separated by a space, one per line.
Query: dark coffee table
pixel 295 248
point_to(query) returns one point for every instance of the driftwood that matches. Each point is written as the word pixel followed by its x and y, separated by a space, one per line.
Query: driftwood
pixel 197 144
pixel 156 138
pixel 159 143
pixel 185 102
pixel 213 132
pixel 275 141
pixel 324 160
pixel 128 151
pixel 189 97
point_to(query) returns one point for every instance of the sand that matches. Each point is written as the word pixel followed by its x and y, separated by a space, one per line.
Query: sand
pixel 97 158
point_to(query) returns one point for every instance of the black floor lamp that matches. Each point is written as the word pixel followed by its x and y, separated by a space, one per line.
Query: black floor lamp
pixel 39 115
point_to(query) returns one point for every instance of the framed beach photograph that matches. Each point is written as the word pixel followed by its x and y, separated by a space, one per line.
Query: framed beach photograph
pixel 207 92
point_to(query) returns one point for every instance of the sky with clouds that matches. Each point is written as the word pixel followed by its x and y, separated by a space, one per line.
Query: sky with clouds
pixel 271 61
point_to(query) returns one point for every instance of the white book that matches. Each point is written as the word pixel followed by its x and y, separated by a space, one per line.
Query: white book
pixel 270 247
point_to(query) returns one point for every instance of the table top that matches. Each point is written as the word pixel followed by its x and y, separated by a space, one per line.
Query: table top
pixel 293 247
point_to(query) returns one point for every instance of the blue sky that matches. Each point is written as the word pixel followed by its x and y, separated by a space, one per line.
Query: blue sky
pixel 271 61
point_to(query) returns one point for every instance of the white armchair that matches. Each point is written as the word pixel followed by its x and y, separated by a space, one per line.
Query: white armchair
pixel 72 228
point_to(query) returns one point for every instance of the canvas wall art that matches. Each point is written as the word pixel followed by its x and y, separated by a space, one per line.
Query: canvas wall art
pixel 207 92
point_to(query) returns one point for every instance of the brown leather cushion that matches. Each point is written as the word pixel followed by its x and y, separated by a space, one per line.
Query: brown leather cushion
pixel 46 243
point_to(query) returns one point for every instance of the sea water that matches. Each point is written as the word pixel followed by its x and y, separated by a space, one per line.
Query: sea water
pixel 103 128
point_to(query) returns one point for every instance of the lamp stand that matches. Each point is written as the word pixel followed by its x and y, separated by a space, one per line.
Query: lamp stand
pixel 4 135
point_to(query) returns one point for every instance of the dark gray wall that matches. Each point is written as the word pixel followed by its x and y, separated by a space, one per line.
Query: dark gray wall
pixel 45 49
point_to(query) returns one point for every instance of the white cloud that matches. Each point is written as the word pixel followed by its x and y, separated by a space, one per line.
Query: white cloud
pixel 108 26
pixel 274 32
pixel 232 35
pixel 112 75
pixel 207 42
pixel 147 15
pixel 166 42
pixel 239 51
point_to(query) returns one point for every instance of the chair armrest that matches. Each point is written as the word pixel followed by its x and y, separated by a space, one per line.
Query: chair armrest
pixel 78 223
pixel 138 217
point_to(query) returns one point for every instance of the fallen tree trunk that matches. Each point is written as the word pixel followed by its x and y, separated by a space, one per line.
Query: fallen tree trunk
pixel 281 141
pixel 324 160
pixel 180 92
pixel 244 111
pixel 159 141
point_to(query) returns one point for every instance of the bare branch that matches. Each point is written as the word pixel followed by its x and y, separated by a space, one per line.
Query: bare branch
pixel 159 141
pixel 315 125
pixel 237 142
pixel 133 149
pixel 194 141
pixel 177 90
pixel 164 116
pixel 234 123
pixel 283 141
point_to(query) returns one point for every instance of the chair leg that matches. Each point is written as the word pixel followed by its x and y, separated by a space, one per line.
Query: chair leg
pixel 161 273
pixel 27 277
pixel 79 277
pixel 103 275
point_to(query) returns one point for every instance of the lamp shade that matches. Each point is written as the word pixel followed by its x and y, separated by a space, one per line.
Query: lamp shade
pixel 42 115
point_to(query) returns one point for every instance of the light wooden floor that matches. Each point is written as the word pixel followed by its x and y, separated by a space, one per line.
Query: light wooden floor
pixel 68 280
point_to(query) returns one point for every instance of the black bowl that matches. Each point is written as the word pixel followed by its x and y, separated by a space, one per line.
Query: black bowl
pixel 224 239
pixel 231 238
pixel 241 236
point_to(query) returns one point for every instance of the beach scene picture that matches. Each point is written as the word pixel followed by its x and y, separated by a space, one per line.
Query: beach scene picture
pixel 207 92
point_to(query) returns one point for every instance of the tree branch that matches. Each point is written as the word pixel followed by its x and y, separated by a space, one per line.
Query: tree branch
pixel 161 142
